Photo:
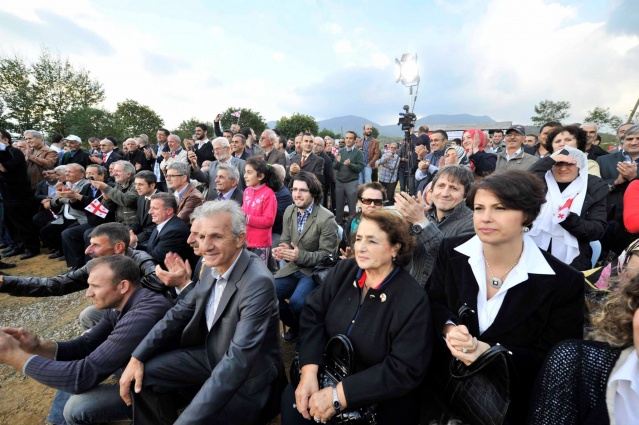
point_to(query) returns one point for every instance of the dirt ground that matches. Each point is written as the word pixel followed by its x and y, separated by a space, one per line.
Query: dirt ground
pixel 24 401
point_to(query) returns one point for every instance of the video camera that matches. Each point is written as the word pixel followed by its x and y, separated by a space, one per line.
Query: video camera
pixel 407 119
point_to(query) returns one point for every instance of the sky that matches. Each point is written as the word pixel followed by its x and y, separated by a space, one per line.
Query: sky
pixel 333 58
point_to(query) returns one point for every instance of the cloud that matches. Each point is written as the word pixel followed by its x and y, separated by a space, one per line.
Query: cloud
pixel 163 65
pixel 332 28
pixel 59 32
pixel 278 56
pixel 624 19
pixel 343 46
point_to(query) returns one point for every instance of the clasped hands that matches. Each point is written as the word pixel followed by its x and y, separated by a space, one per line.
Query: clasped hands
pixel 310 401
pixel 463 345
pixel 284 252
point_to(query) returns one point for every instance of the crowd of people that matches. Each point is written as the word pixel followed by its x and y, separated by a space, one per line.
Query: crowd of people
pixel 201 257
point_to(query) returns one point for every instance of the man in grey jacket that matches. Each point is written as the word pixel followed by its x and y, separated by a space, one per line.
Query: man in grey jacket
pixel 448 216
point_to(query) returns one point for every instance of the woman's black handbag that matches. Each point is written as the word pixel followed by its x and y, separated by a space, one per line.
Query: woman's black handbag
pixel 338 358
pixel 321 269
pixel 480 393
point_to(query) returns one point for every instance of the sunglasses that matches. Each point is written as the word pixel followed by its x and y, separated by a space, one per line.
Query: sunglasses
pixel 368 201
pixel 625 256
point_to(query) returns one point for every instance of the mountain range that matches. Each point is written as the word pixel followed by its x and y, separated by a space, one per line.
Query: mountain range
pixel 352 122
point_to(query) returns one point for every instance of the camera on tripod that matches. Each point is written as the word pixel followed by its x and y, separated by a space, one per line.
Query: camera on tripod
pixel 407 119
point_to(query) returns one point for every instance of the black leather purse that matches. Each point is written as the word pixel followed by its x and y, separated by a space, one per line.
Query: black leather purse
pixel 321 269
pixel 338 358
pixel 480 393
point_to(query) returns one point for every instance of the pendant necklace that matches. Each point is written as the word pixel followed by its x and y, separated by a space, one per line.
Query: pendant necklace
pixel 497 282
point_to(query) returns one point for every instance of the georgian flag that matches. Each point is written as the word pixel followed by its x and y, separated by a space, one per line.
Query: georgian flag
pixel 96 208
pixel 237 113
pixel 563 211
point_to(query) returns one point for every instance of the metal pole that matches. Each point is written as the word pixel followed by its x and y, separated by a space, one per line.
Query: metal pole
pixel 632 113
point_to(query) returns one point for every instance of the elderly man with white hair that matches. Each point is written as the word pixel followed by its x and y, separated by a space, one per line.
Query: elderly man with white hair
pixel 592 150
pixel 38 156
pixel 222 150
pixel 271 155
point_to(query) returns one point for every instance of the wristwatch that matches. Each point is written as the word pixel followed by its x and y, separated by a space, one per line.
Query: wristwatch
pixel 336 404
pixel 416 229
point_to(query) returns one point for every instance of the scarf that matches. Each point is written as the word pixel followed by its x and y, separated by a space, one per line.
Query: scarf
pixel 546 227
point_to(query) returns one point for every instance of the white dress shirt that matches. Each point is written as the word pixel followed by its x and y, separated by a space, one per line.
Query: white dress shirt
pixel 531 261
pixel 624 384
pixel 216 294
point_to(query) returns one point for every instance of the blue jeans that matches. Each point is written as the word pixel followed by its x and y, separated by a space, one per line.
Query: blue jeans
pixel 366 175
pixel 295 287
pixel 57 407
pixel 100 404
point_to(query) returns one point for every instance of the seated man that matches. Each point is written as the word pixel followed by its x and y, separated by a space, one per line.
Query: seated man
pixel 123 197
pixel 188 197
pixel 226 182
pixel 106 240
pixel 143 226
pixel 447 216
pixel 223 337
pixel 309 233
pixel 170 232
pixel 79 366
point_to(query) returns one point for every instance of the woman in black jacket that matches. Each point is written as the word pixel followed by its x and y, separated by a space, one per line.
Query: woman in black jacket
pixel 575 210
pixel 385 314
pixel 524 298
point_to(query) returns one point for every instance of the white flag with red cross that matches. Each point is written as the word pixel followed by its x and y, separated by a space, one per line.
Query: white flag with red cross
pixel 95 207
pixel 563 210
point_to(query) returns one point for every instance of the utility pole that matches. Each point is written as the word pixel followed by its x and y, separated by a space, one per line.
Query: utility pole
pixel 632 113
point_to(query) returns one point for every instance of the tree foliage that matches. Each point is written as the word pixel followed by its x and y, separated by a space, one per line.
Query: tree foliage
pixel 39 95
pixel 291 127
pixel 131 118
pixel 326 132
pixel 603 118
pixel 18 95
pixel 375 133
pixel 248 118
pixel 89 122
pixel 186 129
pixel 548 110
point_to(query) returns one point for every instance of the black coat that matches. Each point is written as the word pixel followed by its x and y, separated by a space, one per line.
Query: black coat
pixel 391 334
pixel 204 153
pixel 142 225
pixel 81 157
pixel 535 315
pixel 591 224
pixel 172 238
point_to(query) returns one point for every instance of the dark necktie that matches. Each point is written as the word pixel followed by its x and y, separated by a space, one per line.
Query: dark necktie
pixel 220 196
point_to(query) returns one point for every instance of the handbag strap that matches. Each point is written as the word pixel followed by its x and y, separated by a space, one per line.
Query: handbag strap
pixel 487 357
pixel 339 348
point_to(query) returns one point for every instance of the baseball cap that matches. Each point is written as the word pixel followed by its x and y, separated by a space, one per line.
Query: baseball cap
pixel 73 137
pixel 518 128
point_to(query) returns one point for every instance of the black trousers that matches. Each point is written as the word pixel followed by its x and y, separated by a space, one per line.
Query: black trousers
pixel 20 214
pixel 74 243
pixel 51 234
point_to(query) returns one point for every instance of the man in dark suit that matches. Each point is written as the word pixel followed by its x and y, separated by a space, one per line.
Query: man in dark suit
pixel 238 147
pixel 143 225
pixel 271 155
pixel 618 170
pixel 222 149
pixel 170 233
pixel 156 157
pixel 108 157
pixel 223 337
pixel 226 185
pixel 179 184
pixel 329 173
pixel 203 148
pixel 307 161
pixel 45 190
pixel 76 154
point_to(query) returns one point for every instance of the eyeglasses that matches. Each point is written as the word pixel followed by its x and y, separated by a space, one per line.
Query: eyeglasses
pixel 368 201
pixel 170 176
pixel 297 189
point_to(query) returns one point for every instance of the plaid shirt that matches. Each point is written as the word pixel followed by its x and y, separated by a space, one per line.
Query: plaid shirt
pixel 302 217
pixel 388 170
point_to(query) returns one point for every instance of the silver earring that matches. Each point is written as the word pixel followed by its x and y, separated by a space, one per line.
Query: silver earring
pixel 526 229
pixel 394 258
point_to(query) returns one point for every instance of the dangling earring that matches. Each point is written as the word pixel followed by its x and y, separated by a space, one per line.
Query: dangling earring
pixel 526 229
pixel 394 258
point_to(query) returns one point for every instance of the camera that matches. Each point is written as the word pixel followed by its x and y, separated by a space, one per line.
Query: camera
pixel 407 119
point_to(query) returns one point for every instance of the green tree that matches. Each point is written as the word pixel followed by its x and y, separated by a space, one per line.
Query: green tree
pixel 326 132
pixel 375 133
pixel 291 127
pixel 186 129
pixel 547 110
pixel 603 118
pixel 59 88
pixel 248 118
pixel 18 95
pixel 131 118
pixel 88 122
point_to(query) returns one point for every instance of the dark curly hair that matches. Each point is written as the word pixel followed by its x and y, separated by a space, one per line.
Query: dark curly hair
pixel 270 176
pixel 515 189
pixel 577 132
pixel 396 230
pixel 613 322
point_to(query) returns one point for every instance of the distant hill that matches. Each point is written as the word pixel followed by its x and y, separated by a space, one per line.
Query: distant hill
pixel 353 122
